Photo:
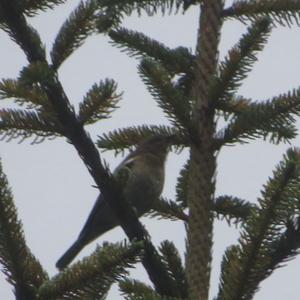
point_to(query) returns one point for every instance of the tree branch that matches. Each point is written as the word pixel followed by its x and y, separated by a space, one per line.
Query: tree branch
pixel 29 41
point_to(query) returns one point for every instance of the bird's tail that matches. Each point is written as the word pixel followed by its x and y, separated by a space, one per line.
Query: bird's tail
pixel 69 255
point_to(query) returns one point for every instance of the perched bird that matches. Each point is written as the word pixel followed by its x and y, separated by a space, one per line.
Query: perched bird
pixel 141 175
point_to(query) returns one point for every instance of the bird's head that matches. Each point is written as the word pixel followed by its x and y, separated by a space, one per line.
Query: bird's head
pixel 158 145
pixel 155 144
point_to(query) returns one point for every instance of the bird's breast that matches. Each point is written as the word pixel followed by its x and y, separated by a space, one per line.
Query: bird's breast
pixel 143 189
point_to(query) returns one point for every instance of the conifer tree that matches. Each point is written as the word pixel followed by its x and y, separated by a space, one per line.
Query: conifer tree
pixel 194 90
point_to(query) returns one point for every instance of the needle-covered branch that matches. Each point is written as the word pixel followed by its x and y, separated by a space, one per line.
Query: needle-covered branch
pixel 92 277
pixel 175 267
pixel 121 139
pixel 114 11
pixel 14 23
pixel 273 119
pixel 287 246
pixel 280 12
pixel 73 129
pixel 23 124
pixel 32 97
pixel 182 186
pixel 136 290
pixel 150 7
pixel 167 209
pixel 178 60
pixel 99 102
pixel 21 269
pixel 32 7
pixel 80 24
pixel 233 209
pixel 239 62
pixel 170 98
pixel 262 244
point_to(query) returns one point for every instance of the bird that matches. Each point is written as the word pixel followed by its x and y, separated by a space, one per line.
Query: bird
pixel 141 176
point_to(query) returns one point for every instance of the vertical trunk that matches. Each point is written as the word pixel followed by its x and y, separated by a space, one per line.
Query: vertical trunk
pixel 202 168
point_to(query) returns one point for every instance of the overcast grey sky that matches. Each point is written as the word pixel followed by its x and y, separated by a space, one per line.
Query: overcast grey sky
pixel 53 190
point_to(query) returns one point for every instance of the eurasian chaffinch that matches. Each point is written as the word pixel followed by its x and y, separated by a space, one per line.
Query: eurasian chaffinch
pixel 141 175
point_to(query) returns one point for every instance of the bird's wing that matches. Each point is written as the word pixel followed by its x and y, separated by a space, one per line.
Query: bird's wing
pixel 123 171
pixel 101 218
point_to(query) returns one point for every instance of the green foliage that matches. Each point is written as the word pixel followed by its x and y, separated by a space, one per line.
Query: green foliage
pixel 150 7
pixel 167 209
pixel 175 268
pixel 273 118
pixel 232 208
pixel 170 98
pixel 182 186
pixel 14 23
pixel 31 97
pixel 263 241
pixel 100 101
pixel 137 290
pixel 110 18
pixel 270 231
pixel 22 124
pixel 21 269
pixel 233 106
pixel 239 62
pixel 36 73
pixel 33 7
pixel 92 277
pixel 38 119
pixel 121 139
pixel 280 12
pixel 230 263
pixel 287 246
pixel 175 61
pixel 79 25
pixel 113 11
